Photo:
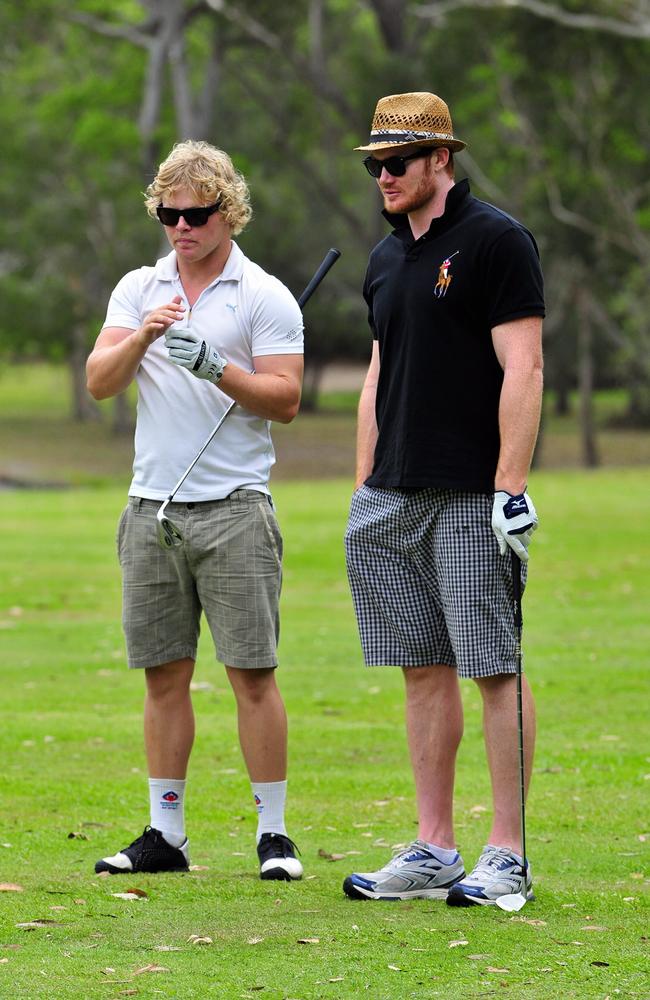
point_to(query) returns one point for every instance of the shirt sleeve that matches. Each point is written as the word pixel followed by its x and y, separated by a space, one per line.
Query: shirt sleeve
pixel 277 326
pixel 367 294
pixel 514 286
pixel 124 305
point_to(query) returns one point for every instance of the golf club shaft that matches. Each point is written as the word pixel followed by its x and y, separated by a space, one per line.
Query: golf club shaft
pixel 518 618
pixel 328 261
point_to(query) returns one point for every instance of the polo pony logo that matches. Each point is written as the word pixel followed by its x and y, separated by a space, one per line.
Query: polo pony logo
pixel 444 277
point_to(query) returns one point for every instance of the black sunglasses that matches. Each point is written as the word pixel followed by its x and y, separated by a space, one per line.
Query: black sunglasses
pixel 192 216
pixel 395 165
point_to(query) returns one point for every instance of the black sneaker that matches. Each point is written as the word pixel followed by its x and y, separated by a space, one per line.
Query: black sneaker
pixel 277 857
pixel 149 853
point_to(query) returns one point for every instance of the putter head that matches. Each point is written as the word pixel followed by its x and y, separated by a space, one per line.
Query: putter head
pixel 169 537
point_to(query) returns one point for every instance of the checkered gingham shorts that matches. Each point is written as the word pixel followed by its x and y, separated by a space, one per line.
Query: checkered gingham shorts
pixel 428 583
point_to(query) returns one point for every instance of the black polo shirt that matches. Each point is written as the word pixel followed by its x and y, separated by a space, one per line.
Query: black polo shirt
pixel 432 304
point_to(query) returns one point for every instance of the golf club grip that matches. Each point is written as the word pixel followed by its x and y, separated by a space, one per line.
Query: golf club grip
pixel 328 261
pixel 515 563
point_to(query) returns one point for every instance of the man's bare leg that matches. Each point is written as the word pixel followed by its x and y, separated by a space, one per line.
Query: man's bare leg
pixel 434 724
pixel 502 746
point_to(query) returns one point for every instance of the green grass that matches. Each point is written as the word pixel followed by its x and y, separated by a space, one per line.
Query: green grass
pixel 40 443
pixel 70 719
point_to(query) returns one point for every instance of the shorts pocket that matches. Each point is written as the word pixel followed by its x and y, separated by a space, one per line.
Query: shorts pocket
pixel 272 528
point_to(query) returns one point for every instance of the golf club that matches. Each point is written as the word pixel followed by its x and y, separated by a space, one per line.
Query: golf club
pixel 514 901
pixel 168 534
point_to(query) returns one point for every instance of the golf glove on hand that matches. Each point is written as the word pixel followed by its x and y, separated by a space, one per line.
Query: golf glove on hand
pixel 513 521
pixel 193 353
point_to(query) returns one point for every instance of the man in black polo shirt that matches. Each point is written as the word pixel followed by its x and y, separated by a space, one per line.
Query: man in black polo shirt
pixel 448 419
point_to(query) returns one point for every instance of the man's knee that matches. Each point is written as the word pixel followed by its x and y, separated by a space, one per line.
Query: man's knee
pixel 169 680
pixel 252 686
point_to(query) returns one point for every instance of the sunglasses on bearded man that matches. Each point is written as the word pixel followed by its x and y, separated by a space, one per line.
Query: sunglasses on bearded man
pixel 395 165
pixel 193 216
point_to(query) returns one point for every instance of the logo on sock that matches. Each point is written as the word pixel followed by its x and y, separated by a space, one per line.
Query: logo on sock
pixel 169 800
pixel 258 803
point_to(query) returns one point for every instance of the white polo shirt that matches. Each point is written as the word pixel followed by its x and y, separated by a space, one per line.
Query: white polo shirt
pixel 245 313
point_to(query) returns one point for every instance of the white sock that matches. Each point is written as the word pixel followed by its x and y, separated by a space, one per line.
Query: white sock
pixel 167 801
pixel 443 854
pixel 270 798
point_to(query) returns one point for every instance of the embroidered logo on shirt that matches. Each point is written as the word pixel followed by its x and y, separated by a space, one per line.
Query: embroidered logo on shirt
pixel 230 306
pixel 444 276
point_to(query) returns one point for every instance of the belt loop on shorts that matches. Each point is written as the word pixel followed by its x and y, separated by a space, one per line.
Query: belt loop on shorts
pixel 135 503
pixel 238 499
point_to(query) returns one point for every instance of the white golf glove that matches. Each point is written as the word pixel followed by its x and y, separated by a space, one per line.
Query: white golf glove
pixel 193 353
pixel 513 521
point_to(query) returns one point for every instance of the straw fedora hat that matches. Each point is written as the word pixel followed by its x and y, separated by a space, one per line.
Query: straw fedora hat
pixel 404 119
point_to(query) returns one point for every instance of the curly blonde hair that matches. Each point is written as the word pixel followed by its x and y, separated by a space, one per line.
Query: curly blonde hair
pixel 210 174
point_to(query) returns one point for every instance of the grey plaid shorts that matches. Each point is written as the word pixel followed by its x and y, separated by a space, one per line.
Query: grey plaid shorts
pixel 428 583
pixel 229 567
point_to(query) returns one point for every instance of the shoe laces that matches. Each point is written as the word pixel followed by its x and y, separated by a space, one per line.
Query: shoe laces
pixel 149 833
pixel 402 856
pixel 277 842
pixel 492 860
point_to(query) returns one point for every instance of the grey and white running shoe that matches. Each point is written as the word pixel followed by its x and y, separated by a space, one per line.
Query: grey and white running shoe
pixel 498 872
pixel 413 873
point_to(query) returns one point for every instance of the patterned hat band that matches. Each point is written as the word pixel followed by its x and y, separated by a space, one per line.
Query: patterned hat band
pixel 408 136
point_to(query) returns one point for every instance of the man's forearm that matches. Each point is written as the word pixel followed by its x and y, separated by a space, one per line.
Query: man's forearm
pixel 366 434
pixel 519 413
pixel 111 368
pixel 269 395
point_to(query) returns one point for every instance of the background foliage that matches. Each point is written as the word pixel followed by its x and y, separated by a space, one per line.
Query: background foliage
pixel 547 96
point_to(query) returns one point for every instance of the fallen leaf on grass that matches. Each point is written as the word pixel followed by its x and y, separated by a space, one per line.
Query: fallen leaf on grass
pixel 199 868
pixel 492 968
pixel 77 835
pixel 128 993
pixel 476 958
pixel 308 940
pixel 30 925
pixel 255 940
pixel 196 939
pixel 336 979
pixel 458 944
pixel 131 894
pixel 151 968
pixel 530 920
pixel 600 965
pixel 10 887
pixel 593 927
pixel 3 961
pixel 107 971
pixel 167 947
pixel 330 857
pixel 395 968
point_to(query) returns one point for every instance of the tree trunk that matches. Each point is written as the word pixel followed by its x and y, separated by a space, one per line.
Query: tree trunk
pixel 586 384
pixel 311 386
pixel 123 422
pixel 84 407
